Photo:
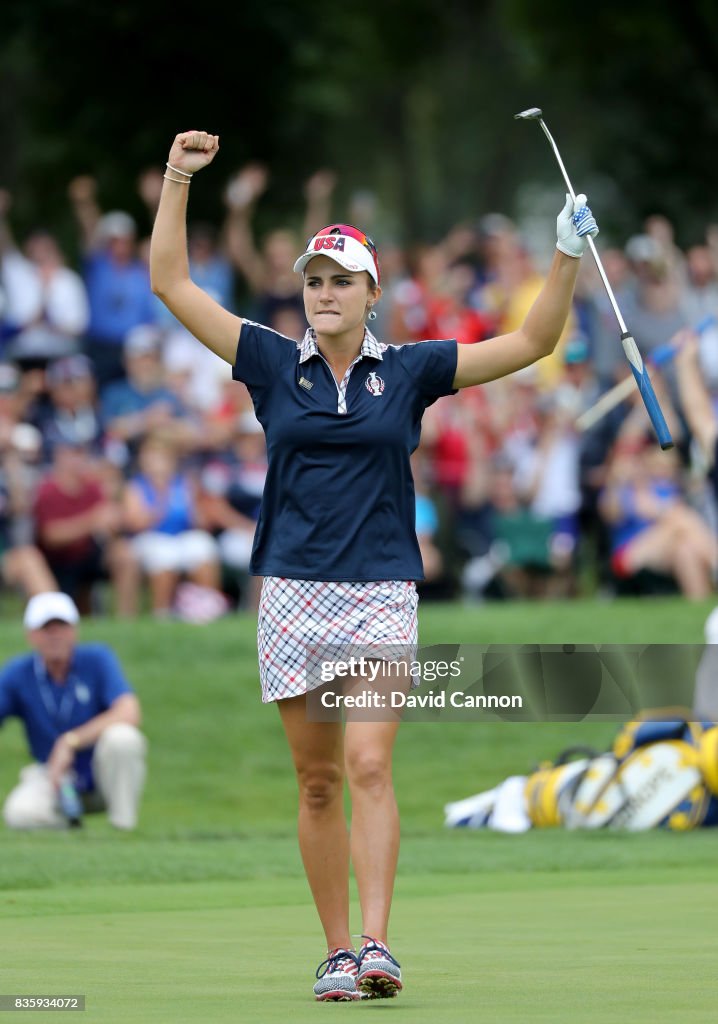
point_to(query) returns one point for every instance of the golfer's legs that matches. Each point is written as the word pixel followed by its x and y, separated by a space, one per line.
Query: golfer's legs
pixel 118 765
pixel 375 819
pixel 33 803
pixel 323 838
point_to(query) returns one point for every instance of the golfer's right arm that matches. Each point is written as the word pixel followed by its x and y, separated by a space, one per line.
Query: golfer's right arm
pixel 210 323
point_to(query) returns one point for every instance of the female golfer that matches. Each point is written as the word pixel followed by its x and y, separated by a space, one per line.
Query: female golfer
pixel 335 541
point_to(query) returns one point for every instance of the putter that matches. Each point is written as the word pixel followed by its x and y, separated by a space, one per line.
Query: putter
pixel 629 345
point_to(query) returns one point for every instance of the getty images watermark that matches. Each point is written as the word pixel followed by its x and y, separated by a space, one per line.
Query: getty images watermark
pixel 473 682
pixel 374 673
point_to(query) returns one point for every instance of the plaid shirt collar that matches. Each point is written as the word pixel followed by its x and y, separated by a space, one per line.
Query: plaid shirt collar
pixel 369 347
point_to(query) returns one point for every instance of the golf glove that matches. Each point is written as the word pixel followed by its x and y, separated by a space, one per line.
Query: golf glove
pixel 573 226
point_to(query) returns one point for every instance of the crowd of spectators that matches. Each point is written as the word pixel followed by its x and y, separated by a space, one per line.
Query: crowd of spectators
pixel 129 456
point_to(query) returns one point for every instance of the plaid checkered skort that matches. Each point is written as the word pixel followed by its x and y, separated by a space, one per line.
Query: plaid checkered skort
pixel 296 616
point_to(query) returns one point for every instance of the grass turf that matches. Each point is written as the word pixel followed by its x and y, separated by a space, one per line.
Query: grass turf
pixel 476 947
pixel 173 922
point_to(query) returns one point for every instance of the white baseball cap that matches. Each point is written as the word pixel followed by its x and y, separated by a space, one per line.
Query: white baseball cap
pixel 143 339
pixel 346 245
pixel 116 224
pixel 643 249
pixel 52 605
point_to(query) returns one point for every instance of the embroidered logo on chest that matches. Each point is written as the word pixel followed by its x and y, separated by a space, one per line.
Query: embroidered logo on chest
pixel 374 384
pixel 306 384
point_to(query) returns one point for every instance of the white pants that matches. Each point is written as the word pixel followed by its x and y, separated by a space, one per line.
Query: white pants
pixel 181 552
pixel 235 548
pixel 118 765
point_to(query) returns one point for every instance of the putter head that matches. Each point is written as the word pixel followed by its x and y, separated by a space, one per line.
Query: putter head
pixel 532 114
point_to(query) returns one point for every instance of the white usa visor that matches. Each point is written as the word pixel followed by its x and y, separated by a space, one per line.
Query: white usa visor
pixel 343 249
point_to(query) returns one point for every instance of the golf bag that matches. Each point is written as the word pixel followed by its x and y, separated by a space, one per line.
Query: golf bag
pixel 661 772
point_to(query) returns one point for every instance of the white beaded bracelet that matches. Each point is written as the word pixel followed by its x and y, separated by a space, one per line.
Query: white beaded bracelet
pixel 185 174
pixel 179 181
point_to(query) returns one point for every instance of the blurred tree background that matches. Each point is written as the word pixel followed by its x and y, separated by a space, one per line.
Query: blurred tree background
pixel 412 99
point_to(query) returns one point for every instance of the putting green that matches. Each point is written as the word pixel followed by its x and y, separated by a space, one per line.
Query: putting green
pixel 203 915
pixel 628 946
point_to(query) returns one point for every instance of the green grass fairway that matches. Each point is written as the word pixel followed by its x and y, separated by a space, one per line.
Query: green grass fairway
pixel 541 947
pixel 203 913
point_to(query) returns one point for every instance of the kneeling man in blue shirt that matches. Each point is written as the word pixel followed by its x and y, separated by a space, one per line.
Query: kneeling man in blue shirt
pixel 81 718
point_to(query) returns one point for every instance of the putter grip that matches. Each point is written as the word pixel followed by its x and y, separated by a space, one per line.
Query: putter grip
pixel 647 393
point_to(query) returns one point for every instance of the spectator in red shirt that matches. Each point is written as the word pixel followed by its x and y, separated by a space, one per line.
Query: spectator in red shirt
pixel 78 531
pixel 450 313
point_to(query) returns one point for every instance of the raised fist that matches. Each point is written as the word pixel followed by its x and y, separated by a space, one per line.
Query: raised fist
pixel 82 189
pixel 191 151
pixel 246 186
pixel 149 186
pixel 660 228
pixel 320 185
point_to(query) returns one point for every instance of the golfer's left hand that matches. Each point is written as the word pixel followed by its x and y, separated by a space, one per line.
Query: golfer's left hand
pixel 574 224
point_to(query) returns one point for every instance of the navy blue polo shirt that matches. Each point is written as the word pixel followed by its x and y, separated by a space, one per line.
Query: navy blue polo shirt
pixel 47 709
pixel 338 501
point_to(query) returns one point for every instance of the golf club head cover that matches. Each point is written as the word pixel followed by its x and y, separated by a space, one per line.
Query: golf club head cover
pixel 574 224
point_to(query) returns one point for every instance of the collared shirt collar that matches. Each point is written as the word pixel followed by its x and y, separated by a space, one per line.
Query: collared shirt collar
pixel 42 672
pixel 369 347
